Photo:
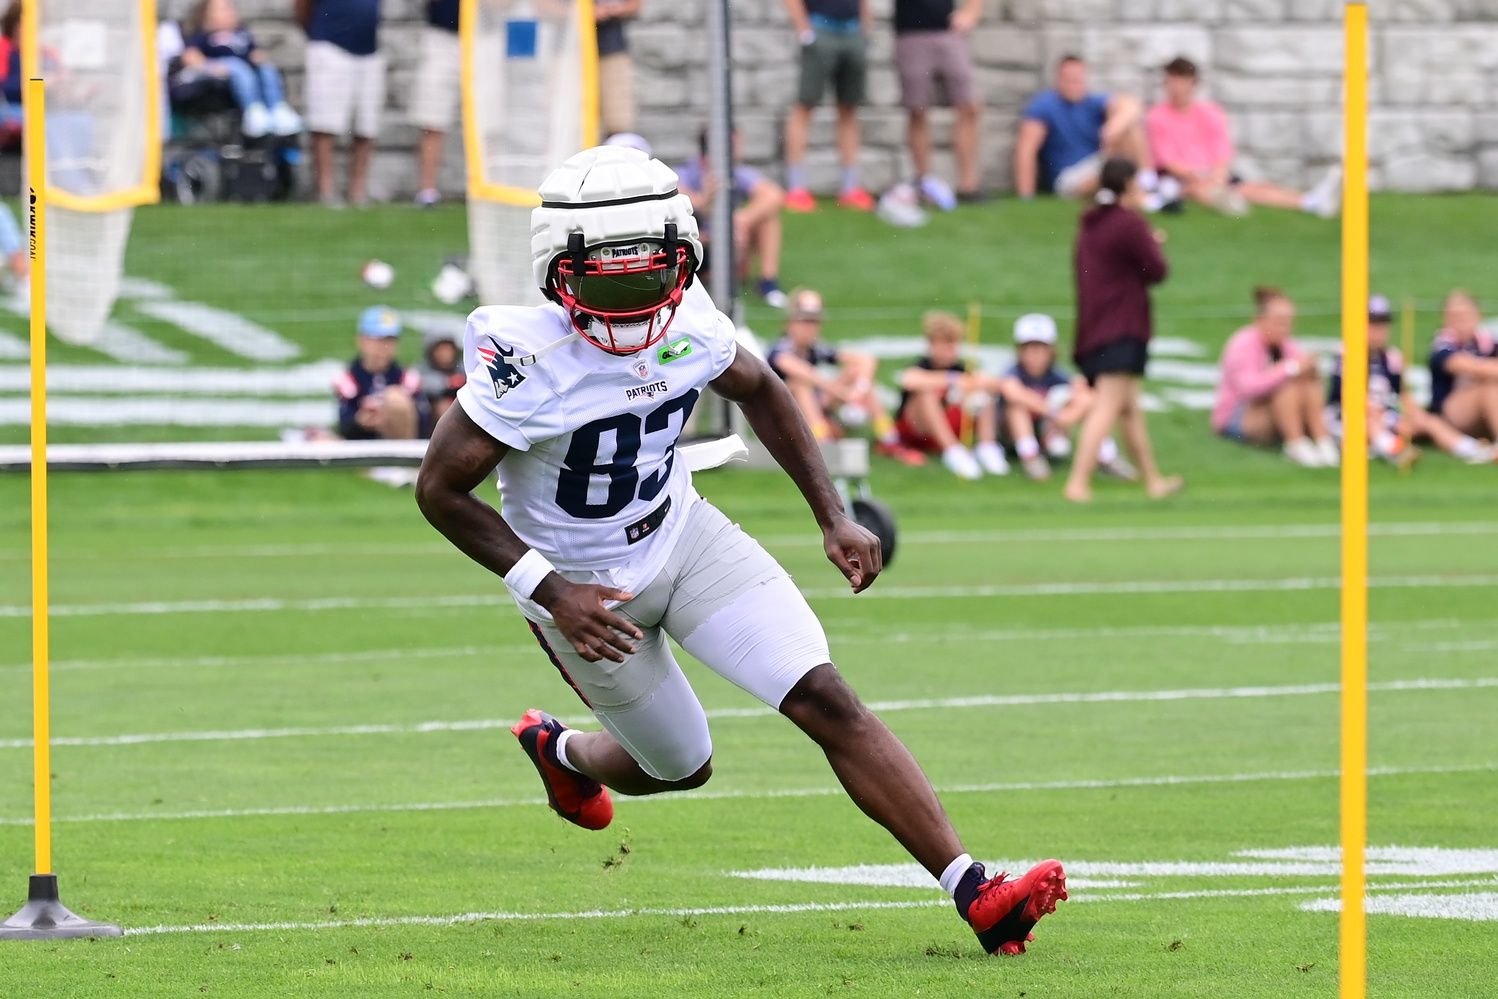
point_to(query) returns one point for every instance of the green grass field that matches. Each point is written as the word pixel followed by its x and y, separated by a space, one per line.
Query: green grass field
pixel 282 700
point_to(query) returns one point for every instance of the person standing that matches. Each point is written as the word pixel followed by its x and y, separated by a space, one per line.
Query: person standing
pixel 1118 260
pixel 616 69
pixel 345 88
pixel 834 48
pixel 931 44
pixel 434 99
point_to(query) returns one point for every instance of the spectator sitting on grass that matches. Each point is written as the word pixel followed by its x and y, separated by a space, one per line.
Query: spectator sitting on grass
pixel 218 41
pixel 756 215
pixel 940 394
pixel 1270 391
pixel 1464 375
pixel 1067 132
pixel 827 399
pixel 1190 141
pixel 376 397
pixel 1043 404
pixel 1392 425
pixel 441 373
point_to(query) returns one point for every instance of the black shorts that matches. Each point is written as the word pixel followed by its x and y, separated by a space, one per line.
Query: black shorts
pixel 1121 357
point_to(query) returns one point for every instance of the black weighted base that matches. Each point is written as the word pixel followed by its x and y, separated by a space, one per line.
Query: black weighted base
pixel 44 917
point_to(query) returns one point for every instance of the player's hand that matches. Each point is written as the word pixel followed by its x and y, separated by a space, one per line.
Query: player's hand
pixel 963 20
pixel 594 631
pixel 855 551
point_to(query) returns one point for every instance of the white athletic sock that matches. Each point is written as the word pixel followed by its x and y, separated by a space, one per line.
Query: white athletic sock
pixel 567 733
pixel 1027 448
pixel 952 876
pixel 1149 180
pixel 1466 448
pixel 1107 451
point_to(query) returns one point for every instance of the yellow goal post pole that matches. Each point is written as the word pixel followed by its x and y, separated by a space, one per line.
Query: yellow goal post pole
pixel 43 917
pixel 41 692
pixel 1353 926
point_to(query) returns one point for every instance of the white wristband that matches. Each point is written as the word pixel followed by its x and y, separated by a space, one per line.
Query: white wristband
pixel 526 574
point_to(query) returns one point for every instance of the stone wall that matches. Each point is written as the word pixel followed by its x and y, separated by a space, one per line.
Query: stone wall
pixel 1275 65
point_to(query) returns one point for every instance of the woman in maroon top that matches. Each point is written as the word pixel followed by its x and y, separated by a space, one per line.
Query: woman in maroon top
pixel 1118 258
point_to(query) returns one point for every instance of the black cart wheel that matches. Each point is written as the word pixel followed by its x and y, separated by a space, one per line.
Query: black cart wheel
pixel 875 517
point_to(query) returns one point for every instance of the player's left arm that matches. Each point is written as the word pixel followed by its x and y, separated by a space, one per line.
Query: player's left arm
pixel 772 412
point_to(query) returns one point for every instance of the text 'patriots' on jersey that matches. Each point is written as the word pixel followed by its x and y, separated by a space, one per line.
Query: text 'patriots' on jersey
pixel 591 480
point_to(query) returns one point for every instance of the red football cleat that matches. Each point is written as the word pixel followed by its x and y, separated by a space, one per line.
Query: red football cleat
pixel 576 798
pixel 1004 912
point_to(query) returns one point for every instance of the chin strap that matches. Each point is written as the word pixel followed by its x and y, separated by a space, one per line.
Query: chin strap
pixel 529 359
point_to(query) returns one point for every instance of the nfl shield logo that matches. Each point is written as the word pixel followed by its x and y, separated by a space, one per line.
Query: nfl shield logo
pixel 642 369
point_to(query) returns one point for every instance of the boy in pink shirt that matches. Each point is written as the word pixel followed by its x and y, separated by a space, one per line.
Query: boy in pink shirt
pixel 1190 141
pixel 1270 392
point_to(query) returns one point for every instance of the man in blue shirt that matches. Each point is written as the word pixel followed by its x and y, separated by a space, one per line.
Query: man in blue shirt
pixel 434 98
pixel 345 87
pixel 1067 132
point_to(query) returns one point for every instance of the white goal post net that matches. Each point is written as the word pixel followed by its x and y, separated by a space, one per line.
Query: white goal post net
pixel 103 127
pixel 530 99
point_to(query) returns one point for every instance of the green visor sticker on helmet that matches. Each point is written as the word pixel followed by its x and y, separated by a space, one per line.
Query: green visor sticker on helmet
pixel 624 279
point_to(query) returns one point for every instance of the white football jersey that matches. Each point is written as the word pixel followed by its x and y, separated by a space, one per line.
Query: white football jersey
pixel 592 480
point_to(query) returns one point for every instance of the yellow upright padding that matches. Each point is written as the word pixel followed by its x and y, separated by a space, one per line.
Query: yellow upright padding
pixel 530 100
pixel 1353 930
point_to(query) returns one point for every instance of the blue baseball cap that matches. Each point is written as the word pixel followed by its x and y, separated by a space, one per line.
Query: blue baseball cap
pixel 379 321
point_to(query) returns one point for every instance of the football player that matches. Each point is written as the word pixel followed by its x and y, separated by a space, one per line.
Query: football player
pixel 607 548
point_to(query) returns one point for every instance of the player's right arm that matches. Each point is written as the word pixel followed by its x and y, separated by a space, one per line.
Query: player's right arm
pixel 462 456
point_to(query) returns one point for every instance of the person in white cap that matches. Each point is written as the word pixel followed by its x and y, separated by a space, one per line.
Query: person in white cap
pixel 1043 404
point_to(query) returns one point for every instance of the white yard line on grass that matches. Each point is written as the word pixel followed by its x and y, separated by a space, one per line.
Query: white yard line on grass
pixel 227 330
pixel 1167 780
pixel 788 908
pixel 1136 587
pixel 92 411
pixel 1083 535
pixel 1316 632
pixel 886 707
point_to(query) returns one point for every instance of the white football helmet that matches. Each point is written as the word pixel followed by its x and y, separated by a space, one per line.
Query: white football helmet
pixel 615 244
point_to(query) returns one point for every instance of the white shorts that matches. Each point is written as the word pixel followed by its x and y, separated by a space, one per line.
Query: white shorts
pixel 439 80
pixel 728 603
pixel 344 91
pixel 1080 178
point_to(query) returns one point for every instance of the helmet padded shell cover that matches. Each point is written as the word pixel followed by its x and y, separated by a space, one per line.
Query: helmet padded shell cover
pixel 610 194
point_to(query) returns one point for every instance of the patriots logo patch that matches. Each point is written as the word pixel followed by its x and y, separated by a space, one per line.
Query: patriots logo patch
pixel 504 374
